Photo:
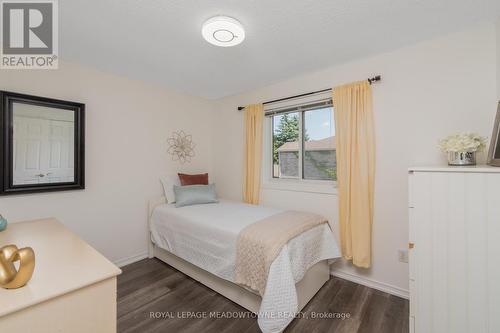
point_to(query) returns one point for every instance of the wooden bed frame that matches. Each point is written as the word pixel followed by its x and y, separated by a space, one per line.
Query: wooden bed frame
pixel 312 282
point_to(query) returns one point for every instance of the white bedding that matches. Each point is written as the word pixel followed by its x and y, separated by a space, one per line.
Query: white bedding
pixel 206 236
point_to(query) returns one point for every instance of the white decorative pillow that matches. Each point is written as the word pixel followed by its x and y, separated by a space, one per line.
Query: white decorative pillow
pixel 168 183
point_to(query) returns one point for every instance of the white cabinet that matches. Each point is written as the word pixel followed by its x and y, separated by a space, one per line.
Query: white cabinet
pixel 454 253
pixel 73 287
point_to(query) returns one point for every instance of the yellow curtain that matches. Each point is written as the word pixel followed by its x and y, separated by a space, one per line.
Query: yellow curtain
pixel 355 141
pixel 254 121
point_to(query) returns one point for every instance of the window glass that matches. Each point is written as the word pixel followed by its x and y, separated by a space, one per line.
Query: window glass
pixel 319 145
pixel 286 150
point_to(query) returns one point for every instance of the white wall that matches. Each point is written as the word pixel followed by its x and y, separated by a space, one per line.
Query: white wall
pixel 128 123
pixel 427 91
pixel 498 58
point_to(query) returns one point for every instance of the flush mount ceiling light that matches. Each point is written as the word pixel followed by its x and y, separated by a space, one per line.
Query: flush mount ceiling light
pixel 223 31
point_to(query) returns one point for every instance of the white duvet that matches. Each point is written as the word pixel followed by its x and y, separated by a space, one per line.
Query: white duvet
pixel 206 236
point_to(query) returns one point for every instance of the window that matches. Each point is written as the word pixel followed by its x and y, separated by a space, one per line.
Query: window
pixel 286 145
pixel 303 142
pixel 319 145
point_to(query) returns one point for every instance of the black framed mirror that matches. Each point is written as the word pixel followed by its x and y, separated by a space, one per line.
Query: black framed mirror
pixel 42 144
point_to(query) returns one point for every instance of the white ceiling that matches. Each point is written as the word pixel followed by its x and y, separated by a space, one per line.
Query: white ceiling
pixel 160 41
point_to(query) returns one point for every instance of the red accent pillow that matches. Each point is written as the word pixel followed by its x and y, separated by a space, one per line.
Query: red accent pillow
pixel 201 179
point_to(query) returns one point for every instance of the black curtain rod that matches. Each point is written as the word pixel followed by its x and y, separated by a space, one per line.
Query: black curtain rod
pixel 370 80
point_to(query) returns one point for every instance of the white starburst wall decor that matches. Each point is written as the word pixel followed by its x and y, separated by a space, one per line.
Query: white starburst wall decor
pixel 181 146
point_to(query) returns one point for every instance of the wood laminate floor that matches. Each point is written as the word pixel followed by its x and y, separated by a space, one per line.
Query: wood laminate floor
pixel 154 297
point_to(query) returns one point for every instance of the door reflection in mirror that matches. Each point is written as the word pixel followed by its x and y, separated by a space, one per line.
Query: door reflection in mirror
pixel 43 144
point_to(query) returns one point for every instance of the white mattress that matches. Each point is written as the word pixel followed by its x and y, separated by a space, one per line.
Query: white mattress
pixel 206 236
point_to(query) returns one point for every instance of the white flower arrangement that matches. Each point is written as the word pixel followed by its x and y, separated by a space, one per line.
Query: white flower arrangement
pixel 463 143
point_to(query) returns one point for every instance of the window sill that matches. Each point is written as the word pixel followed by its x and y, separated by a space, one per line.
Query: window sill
pixel 295 185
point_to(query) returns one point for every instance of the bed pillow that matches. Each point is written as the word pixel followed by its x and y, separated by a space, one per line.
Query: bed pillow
pixel 168 183
pixel 194 195
pixel 200 179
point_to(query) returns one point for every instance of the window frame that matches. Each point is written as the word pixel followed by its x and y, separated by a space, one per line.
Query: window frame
pixel 291 184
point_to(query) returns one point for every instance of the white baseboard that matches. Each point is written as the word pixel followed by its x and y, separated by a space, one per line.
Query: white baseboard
pixel 390 289
pixel 129 260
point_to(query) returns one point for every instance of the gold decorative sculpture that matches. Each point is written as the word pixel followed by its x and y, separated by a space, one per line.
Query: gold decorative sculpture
pixel 10 278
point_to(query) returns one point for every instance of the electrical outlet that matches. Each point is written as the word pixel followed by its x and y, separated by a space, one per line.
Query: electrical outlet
pixel 403 256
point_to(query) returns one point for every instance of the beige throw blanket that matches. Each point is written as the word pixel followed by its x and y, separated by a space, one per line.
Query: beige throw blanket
pixel 261 242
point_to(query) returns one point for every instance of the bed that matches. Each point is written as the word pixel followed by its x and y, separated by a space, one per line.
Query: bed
pixel 200 241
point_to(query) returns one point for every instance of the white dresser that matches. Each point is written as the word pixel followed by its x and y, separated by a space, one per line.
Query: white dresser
pixel 454 249
pixel 73 287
